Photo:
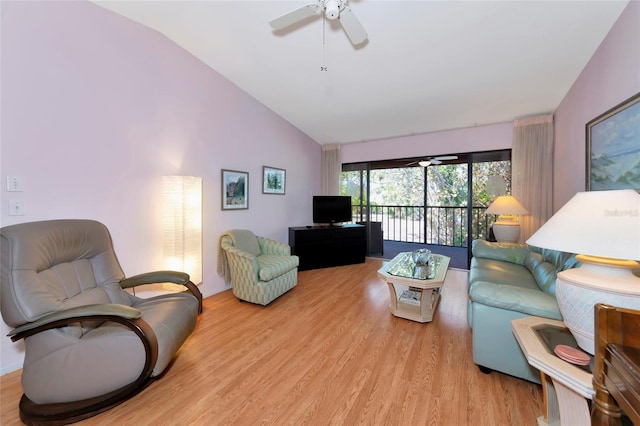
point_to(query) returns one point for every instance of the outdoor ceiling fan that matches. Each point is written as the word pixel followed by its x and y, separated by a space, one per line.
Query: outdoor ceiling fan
pixel 433 161
pixel 333 9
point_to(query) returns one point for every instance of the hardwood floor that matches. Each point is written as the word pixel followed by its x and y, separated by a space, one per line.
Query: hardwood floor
pixel 326 353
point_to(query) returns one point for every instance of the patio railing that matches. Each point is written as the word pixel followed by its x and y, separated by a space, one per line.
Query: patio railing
pixel 447 226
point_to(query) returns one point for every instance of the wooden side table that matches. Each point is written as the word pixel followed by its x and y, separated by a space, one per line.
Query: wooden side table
pixel 566 388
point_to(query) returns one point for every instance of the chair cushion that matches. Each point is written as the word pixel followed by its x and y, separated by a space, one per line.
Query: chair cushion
pixel 172 318
pixel 272 266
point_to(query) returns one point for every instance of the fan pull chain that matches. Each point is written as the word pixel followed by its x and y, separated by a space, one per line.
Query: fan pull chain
pixel 323 67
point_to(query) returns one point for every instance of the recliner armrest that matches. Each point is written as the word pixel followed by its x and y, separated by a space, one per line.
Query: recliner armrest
pixel 79 313
pixel 154 278
pixel 157 277
pixel 512 298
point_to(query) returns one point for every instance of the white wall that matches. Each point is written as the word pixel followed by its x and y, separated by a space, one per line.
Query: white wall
pixel 96 109
pixel 611 76
pixel 470 139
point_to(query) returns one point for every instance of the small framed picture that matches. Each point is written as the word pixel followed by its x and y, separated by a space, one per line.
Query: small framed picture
pixel 235 190
pixel 273 180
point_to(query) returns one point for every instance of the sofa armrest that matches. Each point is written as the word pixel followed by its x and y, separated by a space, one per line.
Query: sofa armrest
pixel 518 299
pixel 507 252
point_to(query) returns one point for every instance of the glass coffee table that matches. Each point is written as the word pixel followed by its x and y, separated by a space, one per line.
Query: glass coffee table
pixel 414 291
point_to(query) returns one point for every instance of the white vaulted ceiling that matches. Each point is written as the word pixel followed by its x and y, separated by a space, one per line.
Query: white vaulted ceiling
pixel 427 65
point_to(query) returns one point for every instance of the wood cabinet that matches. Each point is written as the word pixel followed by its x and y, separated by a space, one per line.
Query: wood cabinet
pixel 616 376
pixel 325 246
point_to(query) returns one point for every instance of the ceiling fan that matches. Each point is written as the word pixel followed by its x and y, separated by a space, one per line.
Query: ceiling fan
pixel 333 9
pixel 433 161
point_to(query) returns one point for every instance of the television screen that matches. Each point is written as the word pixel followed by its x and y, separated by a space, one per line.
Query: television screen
pixel 331 208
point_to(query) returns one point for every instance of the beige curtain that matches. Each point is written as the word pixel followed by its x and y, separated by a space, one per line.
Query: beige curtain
pixel 532 171
pixel 331 170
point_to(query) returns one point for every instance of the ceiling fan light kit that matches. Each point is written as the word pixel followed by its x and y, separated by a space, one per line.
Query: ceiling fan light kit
pixel 433 161
pixel 333 9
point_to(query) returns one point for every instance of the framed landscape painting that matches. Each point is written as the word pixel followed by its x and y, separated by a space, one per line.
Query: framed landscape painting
pixel 613 148
pixel 235 190
pixel 273 180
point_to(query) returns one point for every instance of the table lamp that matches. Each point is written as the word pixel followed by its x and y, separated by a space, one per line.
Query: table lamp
pixel 603 229
pixel 506 228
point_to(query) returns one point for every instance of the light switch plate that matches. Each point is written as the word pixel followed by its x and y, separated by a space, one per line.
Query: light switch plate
pixel 14 184
pixel 16 208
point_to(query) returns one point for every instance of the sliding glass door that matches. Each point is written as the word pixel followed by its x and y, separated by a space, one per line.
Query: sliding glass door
pixel 441 204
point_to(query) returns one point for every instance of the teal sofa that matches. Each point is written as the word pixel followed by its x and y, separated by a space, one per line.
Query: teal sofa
pixel 508 281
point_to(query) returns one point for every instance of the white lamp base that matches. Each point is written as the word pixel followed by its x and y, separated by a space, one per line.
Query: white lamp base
pixel 579 289
pixel 506 232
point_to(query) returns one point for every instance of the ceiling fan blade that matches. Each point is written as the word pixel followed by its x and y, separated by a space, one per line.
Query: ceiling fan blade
pixel 355 31
pixel 446 157
pixel 295 16
pixel 435 161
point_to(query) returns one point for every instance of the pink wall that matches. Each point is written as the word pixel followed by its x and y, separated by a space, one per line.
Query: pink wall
pixel 611 76
pixel 96 109
pixel 470 139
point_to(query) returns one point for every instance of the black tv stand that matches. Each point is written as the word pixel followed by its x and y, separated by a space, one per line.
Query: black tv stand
pixel 326 246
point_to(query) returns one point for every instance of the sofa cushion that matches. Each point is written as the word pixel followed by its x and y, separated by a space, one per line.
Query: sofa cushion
pixel 500 272
pixel 543 272
pixel 559 259
pixel 544 266
pixel 529 301
pixel 273 266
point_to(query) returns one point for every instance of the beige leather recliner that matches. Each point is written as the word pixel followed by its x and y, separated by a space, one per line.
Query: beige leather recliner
pixel 89 344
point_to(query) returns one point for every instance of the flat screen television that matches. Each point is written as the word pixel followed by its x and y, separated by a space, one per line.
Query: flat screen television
pixel 331 209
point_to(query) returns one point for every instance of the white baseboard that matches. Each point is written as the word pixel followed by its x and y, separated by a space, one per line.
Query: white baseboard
pixel 10 368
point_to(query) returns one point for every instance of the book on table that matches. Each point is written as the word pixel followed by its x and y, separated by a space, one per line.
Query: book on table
pixel 412 295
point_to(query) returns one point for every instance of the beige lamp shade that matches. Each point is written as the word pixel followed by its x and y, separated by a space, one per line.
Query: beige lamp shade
pixel 603 228
pixel 506 228
pixel 506 205
pixel 182 225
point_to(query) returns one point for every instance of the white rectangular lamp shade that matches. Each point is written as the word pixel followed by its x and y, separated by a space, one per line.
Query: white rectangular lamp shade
pixel 182 225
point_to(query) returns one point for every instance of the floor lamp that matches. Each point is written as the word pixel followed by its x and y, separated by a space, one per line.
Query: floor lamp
pixel 182 225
